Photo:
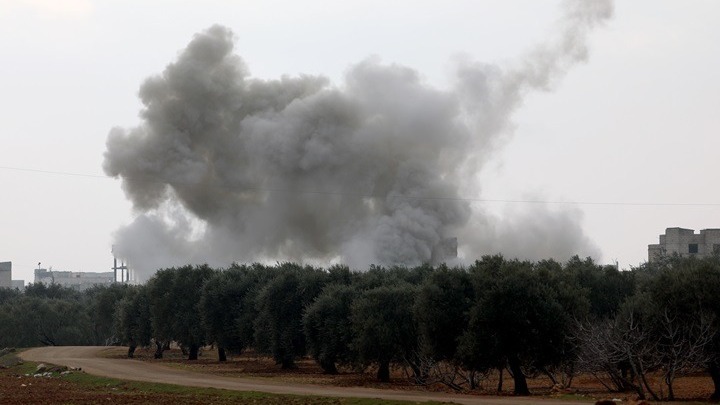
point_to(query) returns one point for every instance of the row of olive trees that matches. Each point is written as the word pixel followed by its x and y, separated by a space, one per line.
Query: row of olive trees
pixel 669 325
pixel 54 315
pixel 443 325
pixel 449 326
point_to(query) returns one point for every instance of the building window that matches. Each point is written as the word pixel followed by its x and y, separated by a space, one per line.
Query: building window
pixel 693 248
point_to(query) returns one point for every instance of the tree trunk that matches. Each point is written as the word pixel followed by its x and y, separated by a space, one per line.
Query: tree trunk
pixel 471 377
pixel 521 387
pixel 418 375
pixel 222 356
pixel 500 379
pixel 383 373
pixel 193 352
pixel 669 378
pixel 159 347
pixel 550 376
pixel 284 358
pixel 287 362
pixel 131 351
pixel 714 370
pixel 643 378
pixel 620 379
pixel 328 367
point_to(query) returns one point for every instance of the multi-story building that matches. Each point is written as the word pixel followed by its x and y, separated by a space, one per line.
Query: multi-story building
pixel 685 242
pixel 6 274
pixel 77 280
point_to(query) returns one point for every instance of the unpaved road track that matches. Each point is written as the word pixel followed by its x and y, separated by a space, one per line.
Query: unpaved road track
pixel 126 369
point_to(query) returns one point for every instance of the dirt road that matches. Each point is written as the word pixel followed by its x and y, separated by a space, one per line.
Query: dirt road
pixel 126 369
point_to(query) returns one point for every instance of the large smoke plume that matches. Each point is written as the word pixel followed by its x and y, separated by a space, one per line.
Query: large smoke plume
pixel 378 169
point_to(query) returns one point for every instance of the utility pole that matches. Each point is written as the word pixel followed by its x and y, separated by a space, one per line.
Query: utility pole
pixel 124 272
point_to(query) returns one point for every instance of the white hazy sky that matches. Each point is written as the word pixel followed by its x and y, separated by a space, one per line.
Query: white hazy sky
pixel 638 123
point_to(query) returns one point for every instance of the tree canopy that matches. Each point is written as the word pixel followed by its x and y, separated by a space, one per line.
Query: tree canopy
pixel 440 324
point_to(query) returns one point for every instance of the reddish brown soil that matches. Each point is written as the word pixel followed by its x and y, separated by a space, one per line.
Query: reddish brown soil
pixel 20 389
pixel 93 359
pixel 696 387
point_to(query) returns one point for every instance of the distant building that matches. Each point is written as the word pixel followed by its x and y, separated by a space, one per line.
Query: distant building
pixel 6 274
pixel 685 242
pixel 77 280
pixel 18 284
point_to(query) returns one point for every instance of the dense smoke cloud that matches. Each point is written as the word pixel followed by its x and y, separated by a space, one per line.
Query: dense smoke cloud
pixel 225 167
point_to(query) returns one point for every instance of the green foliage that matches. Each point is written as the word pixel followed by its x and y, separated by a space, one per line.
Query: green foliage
pixel 56 315
pixel 522 316
pixel 531 317
pixel 32 321
pixel 101 302
pixel 441 310
pixel 384 327
pixel 328 329
pixel 8 295
pixel 174 296
pixel 53 291
pixel 605 286
pixel 339 274
pixel 227 307
pixel 280 304
pixel 132 318
pixel 162 304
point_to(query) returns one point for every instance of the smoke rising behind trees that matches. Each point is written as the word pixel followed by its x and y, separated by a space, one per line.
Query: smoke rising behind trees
pixel 377 169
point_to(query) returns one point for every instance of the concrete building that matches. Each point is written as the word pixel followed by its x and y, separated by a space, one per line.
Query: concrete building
pixel 6 274
pixel 18 284
pixel 686 242
pixel 77 280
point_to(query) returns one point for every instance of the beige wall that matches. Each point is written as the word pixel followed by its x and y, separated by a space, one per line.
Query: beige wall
pixel 678 240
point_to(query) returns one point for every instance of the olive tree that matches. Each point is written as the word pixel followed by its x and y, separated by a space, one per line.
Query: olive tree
pixel 328 329
pixel 384 326
pixel 280 303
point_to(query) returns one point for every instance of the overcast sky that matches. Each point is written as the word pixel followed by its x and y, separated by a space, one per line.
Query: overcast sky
pixel 632 134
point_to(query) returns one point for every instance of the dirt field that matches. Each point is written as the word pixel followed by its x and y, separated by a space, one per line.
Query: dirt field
pixel 19 388
pixel 688 388
pixel 252 373
pixel 154 372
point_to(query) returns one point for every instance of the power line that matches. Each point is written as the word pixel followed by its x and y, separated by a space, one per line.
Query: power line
pixel 22 169
pixel 409 197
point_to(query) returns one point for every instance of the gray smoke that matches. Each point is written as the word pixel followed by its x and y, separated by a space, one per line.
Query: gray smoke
pixel 226 167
